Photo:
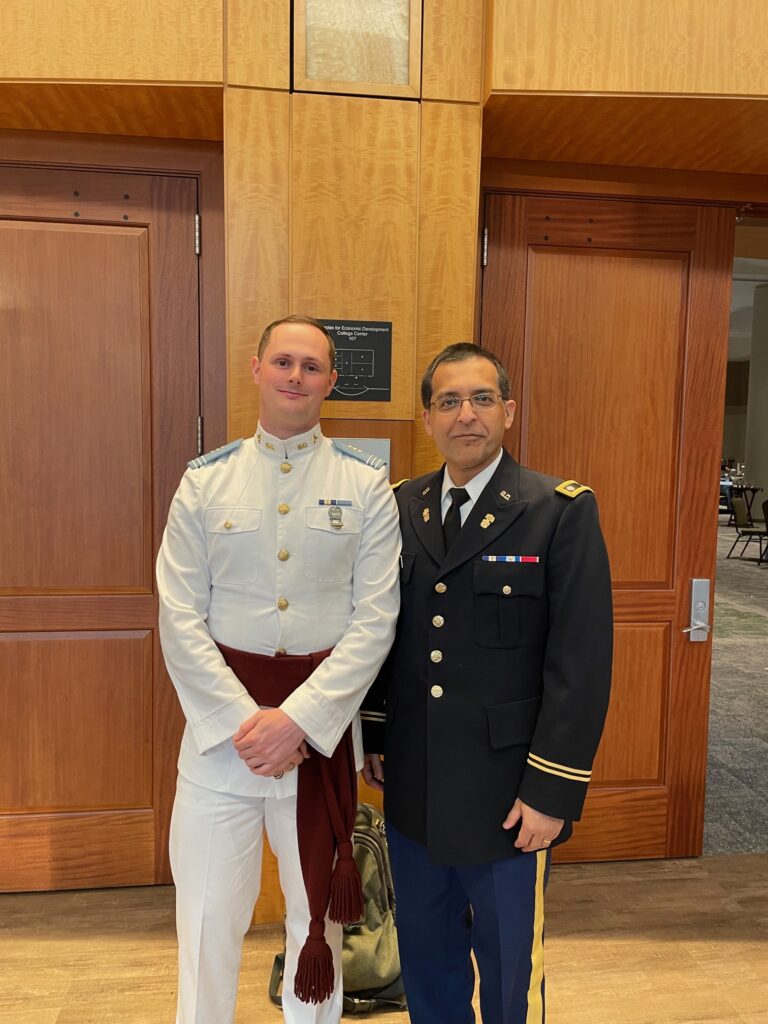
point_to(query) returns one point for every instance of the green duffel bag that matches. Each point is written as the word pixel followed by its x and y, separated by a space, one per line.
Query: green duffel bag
pixel 369 957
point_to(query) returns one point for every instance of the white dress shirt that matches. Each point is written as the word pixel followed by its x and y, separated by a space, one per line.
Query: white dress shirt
pixel 473 487
pixel 251 558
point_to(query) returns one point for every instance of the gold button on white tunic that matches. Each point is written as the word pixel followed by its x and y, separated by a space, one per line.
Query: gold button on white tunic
pixel 283 554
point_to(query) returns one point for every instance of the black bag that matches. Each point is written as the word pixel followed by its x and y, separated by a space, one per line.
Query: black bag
pixel 370 961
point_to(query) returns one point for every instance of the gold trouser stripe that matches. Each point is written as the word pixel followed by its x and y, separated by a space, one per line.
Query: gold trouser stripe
pixel 535 1013
pixel 563 767
pixel 562 775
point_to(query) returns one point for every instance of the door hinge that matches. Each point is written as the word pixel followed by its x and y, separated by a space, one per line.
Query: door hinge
pixel 199 435
pixel 485 247
pixel 197 234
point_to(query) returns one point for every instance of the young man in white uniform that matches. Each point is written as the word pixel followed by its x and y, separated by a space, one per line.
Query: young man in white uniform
pixel 283 544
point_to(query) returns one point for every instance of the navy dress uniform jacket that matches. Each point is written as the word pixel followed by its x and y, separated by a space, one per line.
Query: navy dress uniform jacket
pixel 498 681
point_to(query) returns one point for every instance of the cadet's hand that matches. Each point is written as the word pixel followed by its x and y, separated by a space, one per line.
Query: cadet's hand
pixel 537 830
pixel 297 757
pixel 373 771
pixel 267 742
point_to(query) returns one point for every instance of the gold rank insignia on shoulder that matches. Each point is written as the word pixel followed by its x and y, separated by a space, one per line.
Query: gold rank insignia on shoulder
pixel 505 495
pixel 572 488
pixel 487 520
pixel 425 515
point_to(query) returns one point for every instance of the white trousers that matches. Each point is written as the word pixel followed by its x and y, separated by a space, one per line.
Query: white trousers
pixel 216 847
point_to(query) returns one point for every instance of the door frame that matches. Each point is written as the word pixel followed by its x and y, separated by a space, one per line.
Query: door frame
pixel 746 192
pixel 203 161
pixel 684 822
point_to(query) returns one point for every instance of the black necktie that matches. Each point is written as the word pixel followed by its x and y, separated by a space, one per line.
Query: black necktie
pixel 452 521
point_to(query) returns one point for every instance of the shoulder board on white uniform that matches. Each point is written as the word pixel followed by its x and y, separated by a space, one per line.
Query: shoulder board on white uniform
pixel 374 461
pixel 217 453
pixel 572 488
pixel 399 484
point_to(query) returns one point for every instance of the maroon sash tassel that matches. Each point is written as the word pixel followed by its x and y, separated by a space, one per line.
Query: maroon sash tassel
pixel 325 817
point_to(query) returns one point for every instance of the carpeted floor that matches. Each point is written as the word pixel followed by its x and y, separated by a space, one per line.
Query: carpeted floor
pixel 736 817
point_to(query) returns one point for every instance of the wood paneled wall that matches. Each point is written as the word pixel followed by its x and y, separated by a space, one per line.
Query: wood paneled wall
pixel 356 207
pixel 113 40
pixel 693 47
pixel 257 170
pixel 448 191
pixel 258 43
pixel 354 196
pixel 452 50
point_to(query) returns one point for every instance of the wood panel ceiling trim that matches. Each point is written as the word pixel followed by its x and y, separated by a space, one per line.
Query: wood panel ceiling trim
pixel 683 133
pixel 150 111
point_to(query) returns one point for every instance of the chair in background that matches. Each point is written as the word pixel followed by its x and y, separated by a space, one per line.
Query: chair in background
pixel 746 532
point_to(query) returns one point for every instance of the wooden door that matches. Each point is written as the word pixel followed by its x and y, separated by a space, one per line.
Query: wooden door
pixel 99 364
pixel 612 317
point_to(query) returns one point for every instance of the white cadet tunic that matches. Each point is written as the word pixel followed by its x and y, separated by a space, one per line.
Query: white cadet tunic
pixel 255 556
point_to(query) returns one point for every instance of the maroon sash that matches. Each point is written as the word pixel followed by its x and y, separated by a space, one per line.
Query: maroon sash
pixel 325 816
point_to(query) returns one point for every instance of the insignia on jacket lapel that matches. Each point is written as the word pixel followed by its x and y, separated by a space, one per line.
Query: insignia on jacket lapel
pixel 505 495
pixel 487 520
pixel 425 515
pixel 426 491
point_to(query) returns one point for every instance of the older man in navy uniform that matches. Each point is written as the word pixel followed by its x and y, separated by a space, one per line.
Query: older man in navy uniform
pixel 494 697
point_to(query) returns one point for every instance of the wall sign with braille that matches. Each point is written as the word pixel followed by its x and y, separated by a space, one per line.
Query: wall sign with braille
pixel 363 359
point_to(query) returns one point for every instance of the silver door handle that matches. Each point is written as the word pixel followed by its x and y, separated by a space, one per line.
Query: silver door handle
pixel 700 604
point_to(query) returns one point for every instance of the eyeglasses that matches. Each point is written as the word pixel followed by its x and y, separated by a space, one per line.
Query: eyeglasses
pixel 484 401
